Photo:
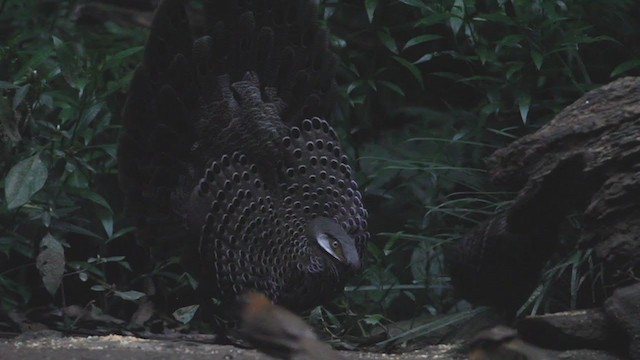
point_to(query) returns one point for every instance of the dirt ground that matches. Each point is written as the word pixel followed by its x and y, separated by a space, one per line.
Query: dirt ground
pixel 51 345
pixel 56 347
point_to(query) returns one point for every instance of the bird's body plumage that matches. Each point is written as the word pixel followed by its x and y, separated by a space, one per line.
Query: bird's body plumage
pixel 227 150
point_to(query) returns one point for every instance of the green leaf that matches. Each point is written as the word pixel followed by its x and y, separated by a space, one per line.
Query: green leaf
pixel 64 226
pixel 591 39
pixel 89 115
pixel 485 54
pixel 185 314
pixel 125 265
pixel 374 250
pixel 513 68
pixel 122 232
pixel 114 258
pixel 371 6
pixel 50 262
pixel 109 149
pixel 415 3
pixel 46 100
pixel 68 61
pixel 457 16
pixel 191 280
pixel 35 60
pixel 496 17
pixel 23 180
pixel 625 66
pixel 437 18
pixel 537 58
pixel 106 218
pixel 388 41
pixel 130 295
pixel 512 40
pixel 524 103
pixel 420 39
pixel 18 244
pixel 116 59
pixel 412 68
pixel 374 319
pixel 7 85
pixel 102 260
pixel 91 196
pixel 424 58
pixel 21 93
pixel 393 87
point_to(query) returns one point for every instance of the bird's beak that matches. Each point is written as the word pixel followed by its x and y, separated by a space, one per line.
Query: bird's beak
pixel 352 257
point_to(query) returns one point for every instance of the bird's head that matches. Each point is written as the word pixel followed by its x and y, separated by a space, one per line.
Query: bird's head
pixel 333 239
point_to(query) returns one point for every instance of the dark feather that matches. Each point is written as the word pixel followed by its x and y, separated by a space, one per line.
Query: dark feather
pixel 227 150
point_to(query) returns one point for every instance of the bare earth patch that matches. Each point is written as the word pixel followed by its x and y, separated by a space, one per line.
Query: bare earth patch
pixel 52 346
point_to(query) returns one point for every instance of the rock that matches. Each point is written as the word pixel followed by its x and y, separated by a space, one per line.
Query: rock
pixel 623 308
pixel 502 343
pixel 587 355
pixel 602 125
pixel 612 227
pixel 498 263
pixel 602 128
pixel 583 329
pixel 39 334
pixel 585 159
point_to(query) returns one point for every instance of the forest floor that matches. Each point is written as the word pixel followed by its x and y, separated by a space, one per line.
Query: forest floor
pixel 55 347
pixel 51 345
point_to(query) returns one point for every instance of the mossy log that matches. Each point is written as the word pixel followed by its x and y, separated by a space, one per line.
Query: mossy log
pixel 602 128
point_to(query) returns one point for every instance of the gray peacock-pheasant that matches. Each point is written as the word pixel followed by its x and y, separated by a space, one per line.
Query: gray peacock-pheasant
pixel 228 151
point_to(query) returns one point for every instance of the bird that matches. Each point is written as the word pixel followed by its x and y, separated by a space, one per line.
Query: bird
pixel 228 153
pixel 502 343
pixel 279 332
pixel 494 266
pixel 499 262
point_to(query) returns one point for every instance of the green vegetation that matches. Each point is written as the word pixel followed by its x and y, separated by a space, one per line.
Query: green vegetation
pixel 62 87
pixel 429 89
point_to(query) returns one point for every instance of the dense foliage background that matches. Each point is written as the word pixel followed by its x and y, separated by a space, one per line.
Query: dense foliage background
pixel 429 88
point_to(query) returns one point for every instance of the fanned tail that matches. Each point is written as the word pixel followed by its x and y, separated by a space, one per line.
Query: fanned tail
pixel 157 127
pixel 227 151
pixel 260 66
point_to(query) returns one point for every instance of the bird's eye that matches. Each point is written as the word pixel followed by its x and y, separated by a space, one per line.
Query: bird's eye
pixel 334 244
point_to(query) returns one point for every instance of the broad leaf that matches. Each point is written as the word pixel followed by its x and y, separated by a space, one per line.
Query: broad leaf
pixel 625 66
pixel 21 94
pixel 524 103
pixel 24 179
pixel 185 314
pixel 371 6
pixel 412 68
pixel 130 295
pixel 420 39
pixel 50 262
